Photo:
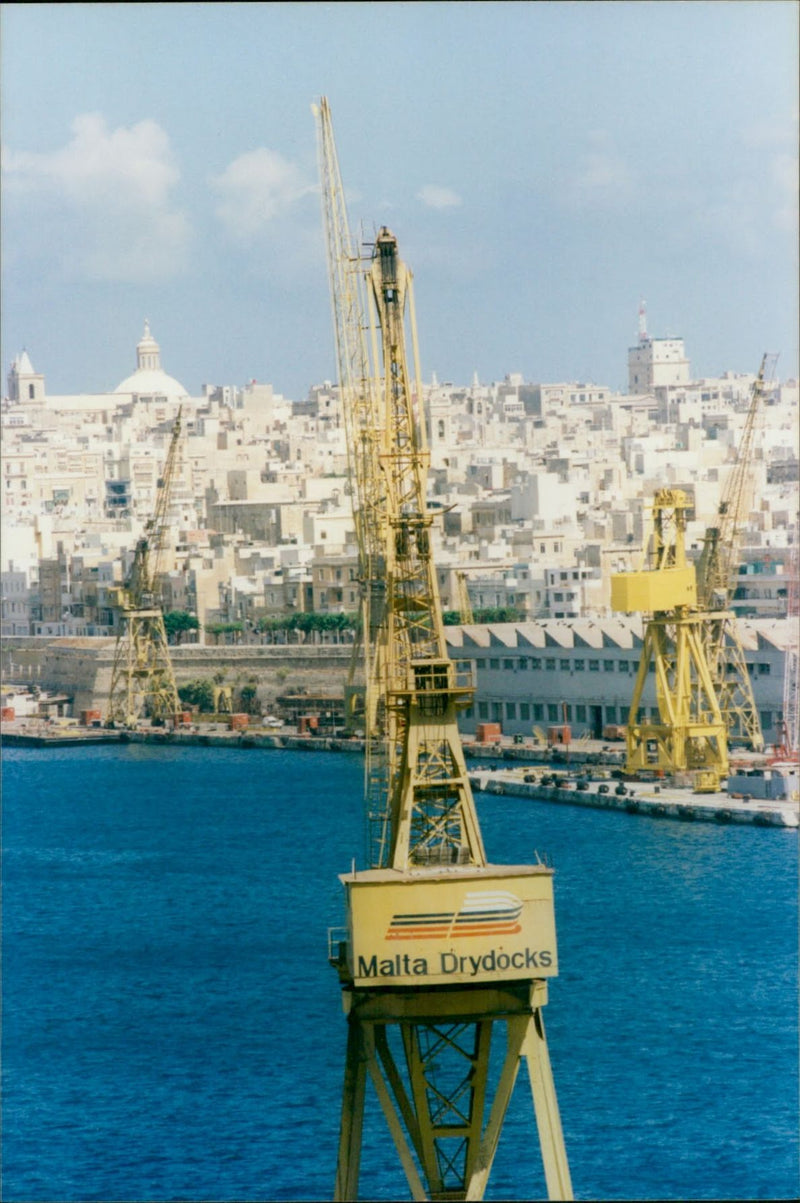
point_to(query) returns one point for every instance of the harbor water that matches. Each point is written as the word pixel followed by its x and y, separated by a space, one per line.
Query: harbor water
pixel 172 1030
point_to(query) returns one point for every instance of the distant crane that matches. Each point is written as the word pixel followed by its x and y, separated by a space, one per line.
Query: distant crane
pixel 441 947
pixel 716 583
pixel 789 743
pixel 689 735
pixel 142 677
pixel 464 603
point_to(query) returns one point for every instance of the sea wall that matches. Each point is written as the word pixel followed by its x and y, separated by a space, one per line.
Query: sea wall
pixel 81 667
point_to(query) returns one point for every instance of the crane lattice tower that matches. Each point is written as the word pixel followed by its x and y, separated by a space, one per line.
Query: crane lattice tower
pixel 690 733
pixel 142 676
pixel 443 951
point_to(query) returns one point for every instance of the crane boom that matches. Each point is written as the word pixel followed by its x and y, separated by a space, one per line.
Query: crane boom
pixel 362 415
pixel 716 582
pixel 716 569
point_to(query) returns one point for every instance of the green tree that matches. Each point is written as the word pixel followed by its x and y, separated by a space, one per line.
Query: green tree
pixel 215 629
pixel 499 614
pixel 198 693
pixel 178 622
pixel 248 696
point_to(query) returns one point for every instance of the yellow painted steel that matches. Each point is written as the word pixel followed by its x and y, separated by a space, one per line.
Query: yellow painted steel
pixel 142 677
pixel 716 576
pixel 444 954
pixel 654 590
pixel 498 925
pixel 464 604
pixel 689 735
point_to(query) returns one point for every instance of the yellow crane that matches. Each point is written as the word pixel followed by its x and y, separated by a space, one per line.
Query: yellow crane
pixel 142 677
pixel 443 951
pixel 716 583
pixel 689 735
pixel 464 603
pixel 362 416
pixel 691 640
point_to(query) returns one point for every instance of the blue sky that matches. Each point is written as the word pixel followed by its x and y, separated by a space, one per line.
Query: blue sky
pixel 543 165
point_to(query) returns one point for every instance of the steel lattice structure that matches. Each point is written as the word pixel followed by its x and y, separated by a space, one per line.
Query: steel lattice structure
pixel 690 734
pixel 422 1020
pixel 716 582
pixel 142 677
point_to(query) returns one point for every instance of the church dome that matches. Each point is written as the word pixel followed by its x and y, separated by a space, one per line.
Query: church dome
pixel 150 379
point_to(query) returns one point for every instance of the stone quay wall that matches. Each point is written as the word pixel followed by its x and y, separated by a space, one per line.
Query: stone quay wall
pixel 81 667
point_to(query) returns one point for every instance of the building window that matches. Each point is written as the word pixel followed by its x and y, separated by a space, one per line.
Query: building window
pixel 550 665
pixel 611 714
pixel 622 666
pixel 497 712
pixel 766 719
pixel 580 665
pixel 538 712
pixel 580 714
pixel 536 662
pixel 552 712
pixel 524 710
pixel 494 664
pixel 764 670
pixel 483 710
pixel 608 666
pixel 624 711
pixel 564 665
pixel 511 709
pixel 508 665
pixel 568 713
pixel 480 664
pixel 522 664
pixel 594 666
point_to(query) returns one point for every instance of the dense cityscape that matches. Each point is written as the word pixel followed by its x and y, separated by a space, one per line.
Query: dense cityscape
pixel 543 490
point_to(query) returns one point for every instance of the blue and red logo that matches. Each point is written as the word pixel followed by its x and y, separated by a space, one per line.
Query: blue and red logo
pixel 484 913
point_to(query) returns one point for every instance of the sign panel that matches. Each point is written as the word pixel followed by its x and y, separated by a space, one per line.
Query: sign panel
pixel 474 927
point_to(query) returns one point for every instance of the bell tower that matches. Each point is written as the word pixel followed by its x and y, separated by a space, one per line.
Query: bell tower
pixel 24 384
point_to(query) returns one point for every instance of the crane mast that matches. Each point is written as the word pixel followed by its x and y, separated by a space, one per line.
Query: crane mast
pixel 142 677
pixel 430 812
pixel 441 949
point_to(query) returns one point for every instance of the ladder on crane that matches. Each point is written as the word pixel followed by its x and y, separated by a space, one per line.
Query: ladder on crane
pixel 442 950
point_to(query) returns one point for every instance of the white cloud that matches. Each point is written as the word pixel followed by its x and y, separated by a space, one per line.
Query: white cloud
pixel 437 197
pixel 109 198
pixel 603 177
pixel 255 189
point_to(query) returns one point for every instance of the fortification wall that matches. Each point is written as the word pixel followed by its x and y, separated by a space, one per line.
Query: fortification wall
pixel 81 668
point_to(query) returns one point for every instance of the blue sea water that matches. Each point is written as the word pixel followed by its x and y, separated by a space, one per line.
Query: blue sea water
pixel 172 1030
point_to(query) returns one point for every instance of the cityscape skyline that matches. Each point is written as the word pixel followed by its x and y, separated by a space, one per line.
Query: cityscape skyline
pixel 533 160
